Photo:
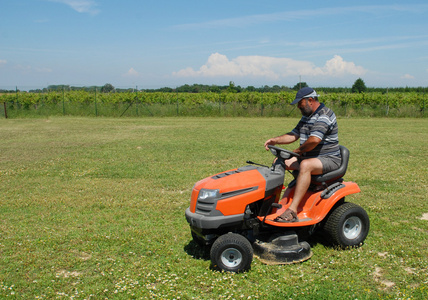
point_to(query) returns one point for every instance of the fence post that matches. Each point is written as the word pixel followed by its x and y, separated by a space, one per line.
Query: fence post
pixel 5 110
pixel 136 100
pixel 387 102
pixel 262 106
pixel 346 103
pixel 219 105
pixel 63 102
pixel 96 109
pixel 423 102
pixel 177 104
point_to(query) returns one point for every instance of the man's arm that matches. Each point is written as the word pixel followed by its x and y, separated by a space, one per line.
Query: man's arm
pixel 309 145
pixel 287 138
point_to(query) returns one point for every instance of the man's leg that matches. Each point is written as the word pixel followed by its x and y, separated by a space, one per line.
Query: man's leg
pixel 308 167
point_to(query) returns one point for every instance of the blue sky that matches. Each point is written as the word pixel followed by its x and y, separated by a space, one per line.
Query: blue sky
pixel 158 43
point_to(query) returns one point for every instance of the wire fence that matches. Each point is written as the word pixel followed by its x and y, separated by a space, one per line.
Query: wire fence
pixel 163 104
pixel 219 109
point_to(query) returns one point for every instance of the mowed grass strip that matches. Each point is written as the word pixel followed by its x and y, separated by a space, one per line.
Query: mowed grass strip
pixel 94 208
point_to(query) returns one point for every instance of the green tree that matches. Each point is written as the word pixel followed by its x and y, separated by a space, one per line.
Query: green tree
pixel 232 88
pixel 214 89
pixel 359 86
pixel 107 88
pixel 299 86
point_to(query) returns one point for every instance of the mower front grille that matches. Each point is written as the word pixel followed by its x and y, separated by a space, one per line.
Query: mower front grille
pixel 205 207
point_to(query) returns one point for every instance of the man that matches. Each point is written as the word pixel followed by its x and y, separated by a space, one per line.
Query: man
pixel 319 146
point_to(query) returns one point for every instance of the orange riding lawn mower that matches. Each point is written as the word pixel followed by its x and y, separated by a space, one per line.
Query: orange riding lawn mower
pixel 235 212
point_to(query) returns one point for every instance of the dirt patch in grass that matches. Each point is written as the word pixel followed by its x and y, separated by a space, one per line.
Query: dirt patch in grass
pixel 378 277
pixel 66 274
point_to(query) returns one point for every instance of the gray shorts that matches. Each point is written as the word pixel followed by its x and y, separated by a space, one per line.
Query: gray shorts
pixel 330 163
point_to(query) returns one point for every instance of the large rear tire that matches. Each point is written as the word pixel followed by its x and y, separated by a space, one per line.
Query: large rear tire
pixel 348 225
pixel 232 253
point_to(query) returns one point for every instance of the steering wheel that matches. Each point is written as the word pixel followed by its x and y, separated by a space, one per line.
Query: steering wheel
pixel 282 153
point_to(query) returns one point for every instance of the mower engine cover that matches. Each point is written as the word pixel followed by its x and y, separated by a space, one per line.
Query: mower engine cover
pixel 222 199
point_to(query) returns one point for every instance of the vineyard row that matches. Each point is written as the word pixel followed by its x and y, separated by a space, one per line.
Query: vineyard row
pixel 392 99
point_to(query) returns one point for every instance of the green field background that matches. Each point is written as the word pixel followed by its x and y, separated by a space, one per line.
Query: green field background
pixel 93 208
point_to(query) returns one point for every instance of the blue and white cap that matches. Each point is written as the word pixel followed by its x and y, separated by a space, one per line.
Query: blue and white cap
pixel 305 92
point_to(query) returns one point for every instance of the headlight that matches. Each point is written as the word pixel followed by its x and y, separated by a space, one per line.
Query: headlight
pixel 208 194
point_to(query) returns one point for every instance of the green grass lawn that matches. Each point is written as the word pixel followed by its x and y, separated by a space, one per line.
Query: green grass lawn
pixel 94 208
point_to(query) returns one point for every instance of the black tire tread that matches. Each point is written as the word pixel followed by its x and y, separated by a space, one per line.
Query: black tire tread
pixel 232 240
pixel 333 225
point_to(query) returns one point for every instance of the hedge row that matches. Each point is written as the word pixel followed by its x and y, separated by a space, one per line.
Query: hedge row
pixel 394 99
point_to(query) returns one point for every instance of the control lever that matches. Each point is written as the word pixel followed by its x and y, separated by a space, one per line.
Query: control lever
pixel 275 205
pixel 253 163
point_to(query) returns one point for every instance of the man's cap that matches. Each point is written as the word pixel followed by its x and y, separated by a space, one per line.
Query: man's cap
pixel 305 92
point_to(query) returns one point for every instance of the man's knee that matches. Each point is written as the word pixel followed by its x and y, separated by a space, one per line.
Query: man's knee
pixel 312 165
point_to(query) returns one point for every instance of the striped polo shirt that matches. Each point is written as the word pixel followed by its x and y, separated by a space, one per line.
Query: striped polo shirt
pixel 323 125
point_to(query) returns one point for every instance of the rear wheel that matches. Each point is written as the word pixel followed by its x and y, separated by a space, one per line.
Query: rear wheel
pixel 231 252
pixel 348 225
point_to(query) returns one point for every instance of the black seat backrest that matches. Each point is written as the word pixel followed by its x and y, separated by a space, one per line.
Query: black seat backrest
pixel 336 174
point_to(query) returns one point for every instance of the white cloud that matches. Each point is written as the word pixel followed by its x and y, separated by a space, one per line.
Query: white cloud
pixel 131 73
pixel 81 6
pixel 43 70
pixel 407 76
pixel 269 67
pixel 27 69
pixel 3 62
pixel 251 20
pixel 337 67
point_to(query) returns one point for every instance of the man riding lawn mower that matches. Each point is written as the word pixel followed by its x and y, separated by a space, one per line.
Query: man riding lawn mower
pixel 240 212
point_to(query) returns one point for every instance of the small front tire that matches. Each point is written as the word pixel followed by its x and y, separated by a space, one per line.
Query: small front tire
pixel 232 253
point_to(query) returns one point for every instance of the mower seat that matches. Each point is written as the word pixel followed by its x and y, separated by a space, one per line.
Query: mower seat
pixel 335 175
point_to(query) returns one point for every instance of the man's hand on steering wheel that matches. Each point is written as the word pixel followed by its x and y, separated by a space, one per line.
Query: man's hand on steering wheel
pixel 282 153
pixel 269 142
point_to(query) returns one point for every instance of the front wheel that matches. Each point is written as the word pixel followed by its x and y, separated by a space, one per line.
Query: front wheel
pixel 232 252
pixel 348 225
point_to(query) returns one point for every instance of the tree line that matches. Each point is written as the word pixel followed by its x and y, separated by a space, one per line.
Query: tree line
pixel 359 86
